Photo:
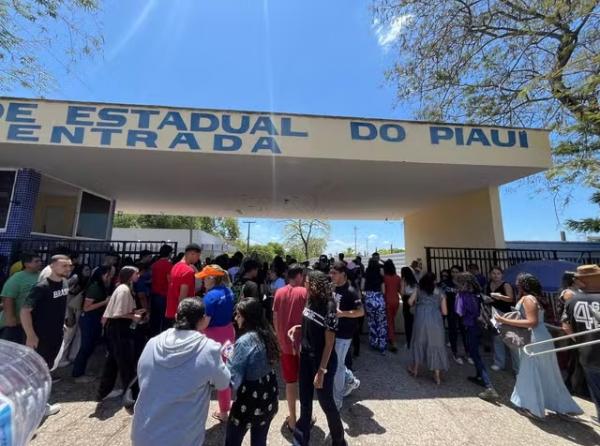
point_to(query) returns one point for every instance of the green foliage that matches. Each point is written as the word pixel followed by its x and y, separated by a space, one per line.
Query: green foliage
pixel 316 247
pixel 533 63
pixel 39 37
pixel 587 225
pixel 306 235
pixel 227 228
pixel 391 251
pixel 266 253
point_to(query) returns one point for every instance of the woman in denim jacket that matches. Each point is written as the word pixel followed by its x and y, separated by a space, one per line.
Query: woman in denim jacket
pixel 253 379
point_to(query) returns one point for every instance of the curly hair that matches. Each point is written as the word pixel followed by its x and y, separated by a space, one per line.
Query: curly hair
pixel 319 288
pixel 529 284
pixel 469 281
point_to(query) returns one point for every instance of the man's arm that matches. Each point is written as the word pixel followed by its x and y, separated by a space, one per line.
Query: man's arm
pixel 183 292
pixel 27 323
pixel 8 307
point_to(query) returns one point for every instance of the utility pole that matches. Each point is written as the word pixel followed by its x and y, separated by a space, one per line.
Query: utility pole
pixel 355 248
pixel 367 253
pixel 249 223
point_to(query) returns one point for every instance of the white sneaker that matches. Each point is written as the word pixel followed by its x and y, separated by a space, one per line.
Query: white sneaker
pixel 84 379
pixel 495 368
pixel 458 360
pixel 52 409
pixel 115 393
pixel 352 387
pixel 470 361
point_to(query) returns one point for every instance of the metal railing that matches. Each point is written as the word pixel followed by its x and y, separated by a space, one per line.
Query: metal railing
pixel 91 252
pixel 440 258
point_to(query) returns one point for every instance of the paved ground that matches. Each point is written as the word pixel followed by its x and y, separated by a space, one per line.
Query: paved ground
pixel 391 408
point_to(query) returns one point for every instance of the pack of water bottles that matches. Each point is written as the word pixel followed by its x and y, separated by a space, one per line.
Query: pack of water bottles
pixel 24 389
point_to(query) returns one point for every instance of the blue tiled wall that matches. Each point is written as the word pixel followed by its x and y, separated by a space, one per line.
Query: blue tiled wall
pixel 20 219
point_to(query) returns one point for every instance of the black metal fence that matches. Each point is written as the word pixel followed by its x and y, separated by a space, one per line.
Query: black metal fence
pixel 439 259
pixel 91 252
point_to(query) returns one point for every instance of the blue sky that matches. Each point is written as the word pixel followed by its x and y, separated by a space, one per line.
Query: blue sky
pixel 320 57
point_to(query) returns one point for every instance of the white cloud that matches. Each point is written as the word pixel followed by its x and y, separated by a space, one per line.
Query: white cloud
pixel 372 237
pixel 387 33
pixel 135 27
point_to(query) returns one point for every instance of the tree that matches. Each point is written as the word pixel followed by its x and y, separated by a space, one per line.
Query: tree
pixel 316 247
pixel 303 231
pixel 266 253
pixel 38 37
pixel 587 225
pixel 531 63
pixel 225 227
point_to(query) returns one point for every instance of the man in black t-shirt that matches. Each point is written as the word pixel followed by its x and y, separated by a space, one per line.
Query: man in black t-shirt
pixel 246 287
pixel 349 308
pixel 43 314
pixel 582 313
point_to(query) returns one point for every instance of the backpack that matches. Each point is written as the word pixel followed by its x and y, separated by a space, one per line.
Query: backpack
pixel 237 289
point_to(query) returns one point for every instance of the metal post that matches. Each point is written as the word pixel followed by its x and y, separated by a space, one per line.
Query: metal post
pixel 249 223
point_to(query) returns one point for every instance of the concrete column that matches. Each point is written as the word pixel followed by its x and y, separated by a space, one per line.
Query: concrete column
pixel 471 220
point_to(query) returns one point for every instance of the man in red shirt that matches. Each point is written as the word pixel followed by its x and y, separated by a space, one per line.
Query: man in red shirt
pixel 160 271
pixel 288 304
pixel 182 282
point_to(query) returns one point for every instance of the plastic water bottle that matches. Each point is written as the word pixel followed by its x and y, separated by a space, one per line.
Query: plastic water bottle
pixel 24 389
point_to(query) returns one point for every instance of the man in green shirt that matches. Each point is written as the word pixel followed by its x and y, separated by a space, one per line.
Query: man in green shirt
pixel 13 295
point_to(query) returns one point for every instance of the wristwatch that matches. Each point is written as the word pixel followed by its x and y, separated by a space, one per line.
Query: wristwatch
pixel 323 370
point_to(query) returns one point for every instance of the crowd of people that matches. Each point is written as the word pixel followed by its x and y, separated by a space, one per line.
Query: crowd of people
pixel 193 325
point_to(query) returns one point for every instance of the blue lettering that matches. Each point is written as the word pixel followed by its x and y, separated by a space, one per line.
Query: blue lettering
pixel 144 136
pixel 266 143
pixel 438 134
pixel 459 136
pixel 75 137
pixel 173 118
pixel 227 143
pixel 112 117
pixel 196 120
pixel 264 124
pixel 75 112
pixel 22 132
pixel 185 138
pixel 477 135
pixel 286 129
pixel 355 131
pixel 523 139
pixel 18 110
pixel 397 135
pixel 243 128
pixel 106 135
pixel 496 138
pixel 144 117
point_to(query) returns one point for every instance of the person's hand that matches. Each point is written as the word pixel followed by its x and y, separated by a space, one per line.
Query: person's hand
pixel 32 342
pixel 500 319
pixel 340 313
pixel 495 296
pixel 318 381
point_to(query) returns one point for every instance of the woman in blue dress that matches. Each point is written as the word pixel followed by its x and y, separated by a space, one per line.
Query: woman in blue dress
pixel 539 385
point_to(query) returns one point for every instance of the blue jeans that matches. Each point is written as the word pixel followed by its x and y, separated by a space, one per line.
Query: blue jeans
pixel 342 374
pixel 473 338
pixel 91 333
pixel 500 354
pixel 158 306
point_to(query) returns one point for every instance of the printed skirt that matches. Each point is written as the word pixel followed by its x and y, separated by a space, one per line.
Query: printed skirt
pixel 256 402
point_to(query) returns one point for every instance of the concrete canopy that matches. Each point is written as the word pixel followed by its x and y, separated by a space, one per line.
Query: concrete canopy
pixel 199 162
